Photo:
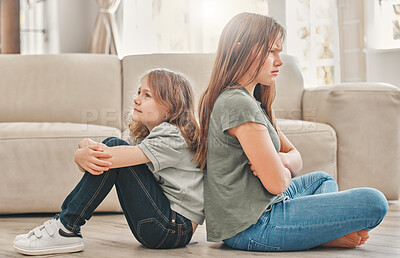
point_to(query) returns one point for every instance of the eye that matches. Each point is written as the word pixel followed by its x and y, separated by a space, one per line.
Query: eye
pixel 148 95
pixel 138 92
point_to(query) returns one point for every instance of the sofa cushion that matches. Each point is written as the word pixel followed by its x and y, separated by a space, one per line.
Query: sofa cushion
pixel 37 165
pixel 82 88
pixel 316 143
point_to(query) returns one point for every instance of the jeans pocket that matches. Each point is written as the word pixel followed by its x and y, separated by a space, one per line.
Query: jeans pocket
pixel 152 233
pixel 257 246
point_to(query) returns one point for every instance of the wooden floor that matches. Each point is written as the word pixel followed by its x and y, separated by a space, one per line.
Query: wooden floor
pixel 109 236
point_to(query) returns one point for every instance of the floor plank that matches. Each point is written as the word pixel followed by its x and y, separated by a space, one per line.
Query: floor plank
pixel 109 236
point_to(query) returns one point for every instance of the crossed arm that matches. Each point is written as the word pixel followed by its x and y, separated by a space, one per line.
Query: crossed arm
pixel 96 158
pixel 274 170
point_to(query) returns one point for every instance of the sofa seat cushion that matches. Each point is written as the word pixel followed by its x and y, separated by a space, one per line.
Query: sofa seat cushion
pixel 22 130
pixel 37 165
pixel 316 143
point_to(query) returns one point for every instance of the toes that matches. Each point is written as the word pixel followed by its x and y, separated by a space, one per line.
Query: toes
pixel 363 233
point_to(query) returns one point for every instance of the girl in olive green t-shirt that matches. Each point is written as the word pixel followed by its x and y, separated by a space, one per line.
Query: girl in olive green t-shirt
pixel 251 201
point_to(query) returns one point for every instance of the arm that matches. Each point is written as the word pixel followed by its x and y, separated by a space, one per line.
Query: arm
pixel 126 155
pixel 97 157
pixel 257 144
pixel 289 155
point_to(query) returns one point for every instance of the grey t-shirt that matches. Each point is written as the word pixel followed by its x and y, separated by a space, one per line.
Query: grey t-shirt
pixel 234 197
pixel 171 163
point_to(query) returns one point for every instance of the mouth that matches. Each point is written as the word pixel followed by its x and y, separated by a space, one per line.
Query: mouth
pixel 275 72
pixel 137 110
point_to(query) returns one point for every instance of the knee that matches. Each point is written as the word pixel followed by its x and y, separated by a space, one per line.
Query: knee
pixel 323 175
pixel 114 141
pixel 377 202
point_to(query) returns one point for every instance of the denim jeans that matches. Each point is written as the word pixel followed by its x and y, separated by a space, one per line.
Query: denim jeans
pixel 314 214
pixel 145 206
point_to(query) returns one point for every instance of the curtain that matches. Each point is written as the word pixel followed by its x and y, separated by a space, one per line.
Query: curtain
pixel 105 37
pixel 351 34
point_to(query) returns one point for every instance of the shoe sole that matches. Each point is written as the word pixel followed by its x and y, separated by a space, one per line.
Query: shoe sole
pixel 53 250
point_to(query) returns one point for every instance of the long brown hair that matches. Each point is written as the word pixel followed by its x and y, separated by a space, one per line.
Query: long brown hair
pixel 246 36
pixel 173 92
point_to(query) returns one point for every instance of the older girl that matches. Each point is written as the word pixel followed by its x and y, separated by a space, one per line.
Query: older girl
pixel 159 187
pixel 251 201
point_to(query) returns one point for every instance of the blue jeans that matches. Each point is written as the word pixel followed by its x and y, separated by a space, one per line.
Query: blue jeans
pixel 314 214
pixel 145 206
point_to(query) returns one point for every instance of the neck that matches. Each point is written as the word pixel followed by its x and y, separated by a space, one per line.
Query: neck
pixel 250 89
pixel 150 127
pixel 249 86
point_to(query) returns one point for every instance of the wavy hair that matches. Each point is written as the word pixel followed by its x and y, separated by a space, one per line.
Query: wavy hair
pixel 173 92
pixel 245 40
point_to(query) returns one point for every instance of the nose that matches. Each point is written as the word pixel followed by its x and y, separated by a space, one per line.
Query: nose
pixel 136 100
pixel 278 61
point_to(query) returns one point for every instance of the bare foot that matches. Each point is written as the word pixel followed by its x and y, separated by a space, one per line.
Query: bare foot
pixel 351 240
pixel 364 236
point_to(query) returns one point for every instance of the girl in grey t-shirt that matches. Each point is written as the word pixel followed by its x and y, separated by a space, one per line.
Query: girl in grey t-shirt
pixel 159 188
pixel 251 201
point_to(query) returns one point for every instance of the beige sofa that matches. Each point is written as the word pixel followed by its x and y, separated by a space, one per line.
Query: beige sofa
pixel 49 102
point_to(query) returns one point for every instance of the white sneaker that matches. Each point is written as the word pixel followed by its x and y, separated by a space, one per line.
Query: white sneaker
pixel 48 238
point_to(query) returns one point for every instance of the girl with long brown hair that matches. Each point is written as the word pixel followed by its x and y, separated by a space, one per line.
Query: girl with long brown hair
pixel 159 188
pixel 251 200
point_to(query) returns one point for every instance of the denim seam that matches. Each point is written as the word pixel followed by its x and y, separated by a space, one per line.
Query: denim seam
pixel 178 235
pixel 306 188
pixel 321 224
pixel 167 231
pixel 147 194
pixel 75 227
pixel 182 219
pixel 277 248
pixel 162 242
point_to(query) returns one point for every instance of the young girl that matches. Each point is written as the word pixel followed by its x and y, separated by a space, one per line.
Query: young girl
pixel 159 187
pixel 251 202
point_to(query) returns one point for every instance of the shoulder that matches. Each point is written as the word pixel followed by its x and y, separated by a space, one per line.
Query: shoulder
pixel 233 94
pixel 167 134
pixel 165 128
pixel 234 99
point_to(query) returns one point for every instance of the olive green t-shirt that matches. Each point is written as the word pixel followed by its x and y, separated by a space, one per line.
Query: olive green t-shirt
pixel 234 198
pixel 171 163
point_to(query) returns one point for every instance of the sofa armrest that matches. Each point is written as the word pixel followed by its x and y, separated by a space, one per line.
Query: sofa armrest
pixel 366 118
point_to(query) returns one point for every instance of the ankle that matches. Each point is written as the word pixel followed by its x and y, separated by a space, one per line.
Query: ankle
pixel 63 226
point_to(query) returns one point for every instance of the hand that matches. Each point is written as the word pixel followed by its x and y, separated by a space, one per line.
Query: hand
pixel 253 169
pixel 85 142
pixel 89 142
pixel 93 159
pixel 284 160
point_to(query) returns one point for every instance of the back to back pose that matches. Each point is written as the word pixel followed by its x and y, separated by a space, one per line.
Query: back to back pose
pixel 159 187
pixel 251 201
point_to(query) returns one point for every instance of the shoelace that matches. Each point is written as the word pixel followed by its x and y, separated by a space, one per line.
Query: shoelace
pixel 38 230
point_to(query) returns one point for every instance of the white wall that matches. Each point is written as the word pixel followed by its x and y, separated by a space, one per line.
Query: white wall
pixel 382 54
pixel 383 66
pixel 76 20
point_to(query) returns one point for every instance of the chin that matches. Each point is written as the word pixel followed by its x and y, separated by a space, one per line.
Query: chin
pixel 135 118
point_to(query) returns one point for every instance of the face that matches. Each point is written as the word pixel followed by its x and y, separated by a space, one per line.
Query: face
pixel 146 110
pixel 270 69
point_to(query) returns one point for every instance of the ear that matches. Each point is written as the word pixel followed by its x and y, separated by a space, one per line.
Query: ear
pixel 167 115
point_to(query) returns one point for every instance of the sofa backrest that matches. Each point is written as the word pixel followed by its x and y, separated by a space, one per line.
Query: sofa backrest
pixel 197 67
pixel 76 88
